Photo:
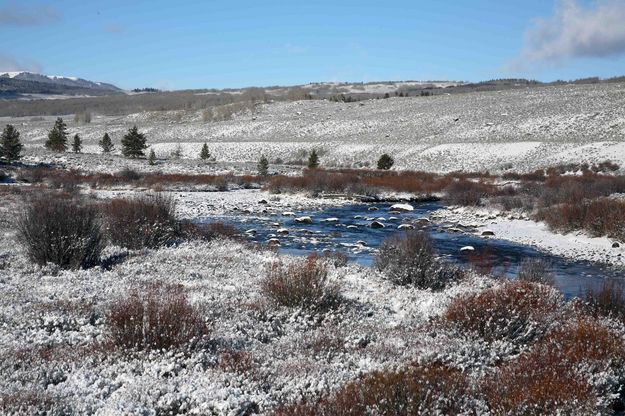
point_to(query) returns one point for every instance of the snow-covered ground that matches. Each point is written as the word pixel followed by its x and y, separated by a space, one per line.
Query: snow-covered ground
pixel 53 322
pixel 519 129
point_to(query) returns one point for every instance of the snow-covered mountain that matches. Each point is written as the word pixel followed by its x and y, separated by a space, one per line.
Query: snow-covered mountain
pixel 25 84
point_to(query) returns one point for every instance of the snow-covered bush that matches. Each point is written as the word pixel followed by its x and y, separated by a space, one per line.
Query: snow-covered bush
pixel 59 229
pixel 411 260
pixel 147 221
pixel 419 389
pixel 560 374
pixel 302 284
pixel 516 311
pixel 154 317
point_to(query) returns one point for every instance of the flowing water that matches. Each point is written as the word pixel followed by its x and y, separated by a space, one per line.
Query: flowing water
pixel 347 229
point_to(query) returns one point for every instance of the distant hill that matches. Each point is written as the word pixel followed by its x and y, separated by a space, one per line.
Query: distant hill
pixel 28 85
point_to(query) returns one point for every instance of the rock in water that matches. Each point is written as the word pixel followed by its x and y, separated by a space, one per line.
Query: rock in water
pixel 615 245
pixel 376 224
pixel 402 207
pixel 405 227
pixel 488 233
pixel 467 248
pixel 303 220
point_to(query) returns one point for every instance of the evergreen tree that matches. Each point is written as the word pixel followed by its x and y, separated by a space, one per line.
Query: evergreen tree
pixel 10 146
pixel 204 153
pixel 385 162
pixel 106 144
pixel 57 137
pixel 313 160
pixel 133 143
pixel 263 166
pixel 77 144
pixel 152 158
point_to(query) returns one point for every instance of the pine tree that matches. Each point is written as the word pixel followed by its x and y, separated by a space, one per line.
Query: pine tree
pixel 10 146
pixel 57 137
pixel 133 143
pixel 152 157
pixel 204 153
pixel 77 144
pixel 385 162
pixel 313 160
pixel 106 144
pixel 263 166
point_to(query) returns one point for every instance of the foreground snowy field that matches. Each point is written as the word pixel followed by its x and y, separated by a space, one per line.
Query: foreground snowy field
pixel 53 338
pixel 58 354
pixel 515 129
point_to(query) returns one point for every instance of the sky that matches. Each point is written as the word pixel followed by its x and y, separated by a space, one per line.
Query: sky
pixel 238 43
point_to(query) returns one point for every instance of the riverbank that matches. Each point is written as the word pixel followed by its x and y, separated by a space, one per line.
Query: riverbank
pixel 518 228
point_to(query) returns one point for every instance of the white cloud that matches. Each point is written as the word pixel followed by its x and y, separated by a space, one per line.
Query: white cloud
pixel 575 31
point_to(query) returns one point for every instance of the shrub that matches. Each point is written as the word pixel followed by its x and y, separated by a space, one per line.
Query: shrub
pixel 553 377
pixel 599 217
pixel 146 221
pixel 535 270
pixel 303 284
pixel 608 300
pixel 60 230
pixel 208 232
pixel 411 260
pixel 385 162
pixel 153 318
pixel 468 193
pixel 420 389
pixel 517 311
pixel 538 384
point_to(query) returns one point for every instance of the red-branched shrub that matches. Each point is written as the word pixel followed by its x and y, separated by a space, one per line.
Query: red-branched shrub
pixel 302 284
pixel 554 375
pixel 517 311
pixel 154 317
pixel 599 217
pixel 418 390
pixel 607 300
pixel 147 221
pixel 468 193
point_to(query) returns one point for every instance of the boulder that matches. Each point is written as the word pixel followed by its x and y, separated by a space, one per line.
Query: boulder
pixel 376 224
pixel 282 231
pixel 402 207
pixel 303 220
pixel 467 248
pixel 263 201
pixel 488 233
pixel 405 227
pixel 615 245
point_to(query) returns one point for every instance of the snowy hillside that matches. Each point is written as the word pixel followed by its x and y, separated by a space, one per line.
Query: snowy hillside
pixel 24 84
pixel 523 129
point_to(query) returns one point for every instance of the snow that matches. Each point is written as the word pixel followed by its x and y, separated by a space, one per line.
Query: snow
pixel 543 126
pixel 402 207
pixel 575 245
pixel 45 308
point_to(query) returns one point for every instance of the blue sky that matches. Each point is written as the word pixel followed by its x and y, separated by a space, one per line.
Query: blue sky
pixel 206 44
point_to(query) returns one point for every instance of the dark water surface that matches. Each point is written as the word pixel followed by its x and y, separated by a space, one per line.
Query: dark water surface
pixel 349 232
